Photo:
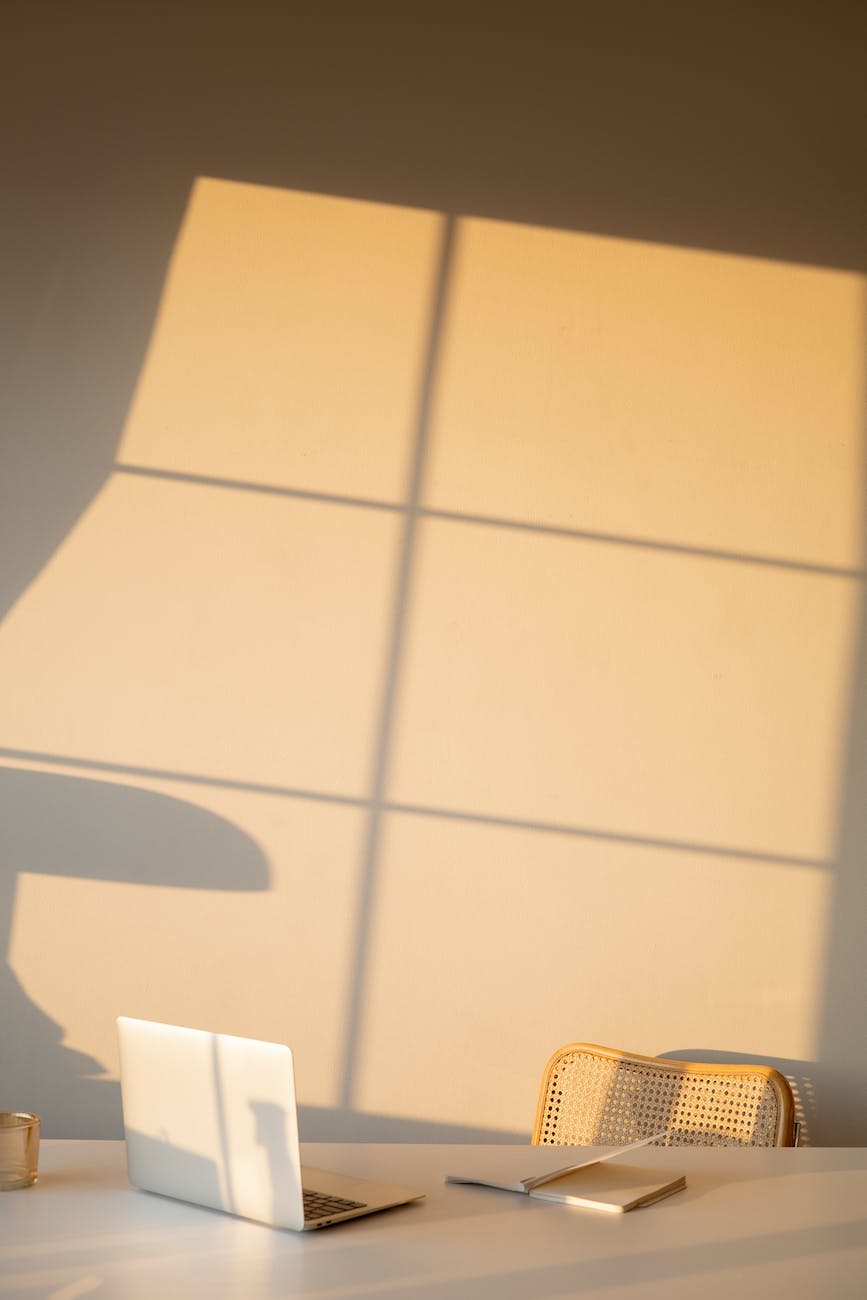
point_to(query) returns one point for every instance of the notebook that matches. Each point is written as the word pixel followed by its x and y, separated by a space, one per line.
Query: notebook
pixel 212 1119
pixel 600 1182
pixel 611 1187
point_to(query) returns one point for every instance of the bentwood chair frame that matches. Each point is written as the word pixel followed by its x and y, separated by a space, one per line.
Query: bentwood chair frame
pixel 598 1096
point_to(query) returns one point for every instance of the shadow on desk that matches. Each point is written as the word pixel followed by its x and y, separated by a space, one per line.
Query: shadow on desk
pixel 608 1270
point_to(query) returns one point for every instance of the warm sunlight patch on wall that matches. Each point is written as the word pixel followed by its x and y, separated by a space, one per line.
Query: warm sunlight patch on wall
pixel 198 630
pixel 589 698
pixel 187 628
pixel 652 392
pixel 626 690
pixel 289 344
pixel 677 665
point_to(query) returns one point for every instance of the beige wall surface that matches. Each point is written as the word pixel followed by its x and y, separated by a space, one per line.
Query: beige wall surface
pixel 432 611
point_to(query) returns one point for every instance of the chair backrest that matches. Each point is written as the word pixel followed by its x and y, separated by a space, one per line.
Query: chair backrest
pixel 597 1096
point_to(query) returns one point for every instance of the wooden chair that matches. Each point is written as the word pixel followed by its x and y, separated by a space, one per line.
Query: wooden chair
pixel 597 1096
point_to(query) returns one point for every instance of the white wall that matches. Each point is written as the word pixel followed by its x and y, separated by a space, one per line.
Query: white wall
pixel 434 555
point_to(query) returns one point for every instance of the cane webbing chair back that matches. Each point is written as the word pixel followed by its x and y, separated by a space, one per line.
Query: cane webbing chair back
pixel 596 1096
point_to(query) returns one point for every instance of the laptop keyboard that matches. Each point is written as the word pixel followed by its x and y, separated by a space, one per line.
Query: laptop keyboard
pixel 317 1205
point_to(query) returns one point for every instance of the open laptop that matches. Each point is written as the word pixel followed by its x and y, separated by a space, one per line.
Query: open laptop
pixel 211 1119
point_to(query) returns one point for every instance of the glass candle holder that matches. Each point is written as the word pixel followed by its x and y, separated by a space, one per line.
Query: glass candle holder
pixel 19 1149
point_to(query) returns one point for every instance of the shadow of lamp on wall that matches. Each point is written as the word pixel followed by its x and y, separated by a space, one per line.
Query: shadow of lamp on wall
pixel 95 830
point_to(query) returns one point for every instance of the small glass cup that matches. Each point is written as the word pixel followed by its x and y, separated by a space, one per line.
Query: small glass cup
pixel 19 1149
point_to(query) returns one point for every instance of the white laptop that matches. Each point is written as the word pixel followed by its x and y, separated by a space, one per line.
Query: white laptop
pixel 211 1119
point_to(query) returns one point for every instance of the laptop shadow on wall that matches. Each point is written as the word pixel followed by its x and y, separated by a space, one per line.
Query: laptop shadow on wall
pixel 66 826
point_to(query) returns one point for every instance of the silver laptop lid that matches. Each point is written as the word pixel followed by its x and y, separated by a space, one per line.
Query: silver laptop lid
pixel 211 1118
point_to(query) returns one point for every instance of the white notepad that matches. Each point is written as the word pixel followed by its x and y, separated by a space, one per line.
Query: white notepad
pixel 595 1182
pixel 614 1188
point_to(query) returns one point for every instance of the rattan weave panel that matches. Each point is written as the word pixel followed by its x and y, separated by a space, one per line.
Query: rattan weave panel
pixel 593 1099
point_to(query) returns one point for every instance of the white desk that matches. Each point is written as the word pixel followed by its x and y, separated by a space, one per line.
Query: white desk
pixel 751 1223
